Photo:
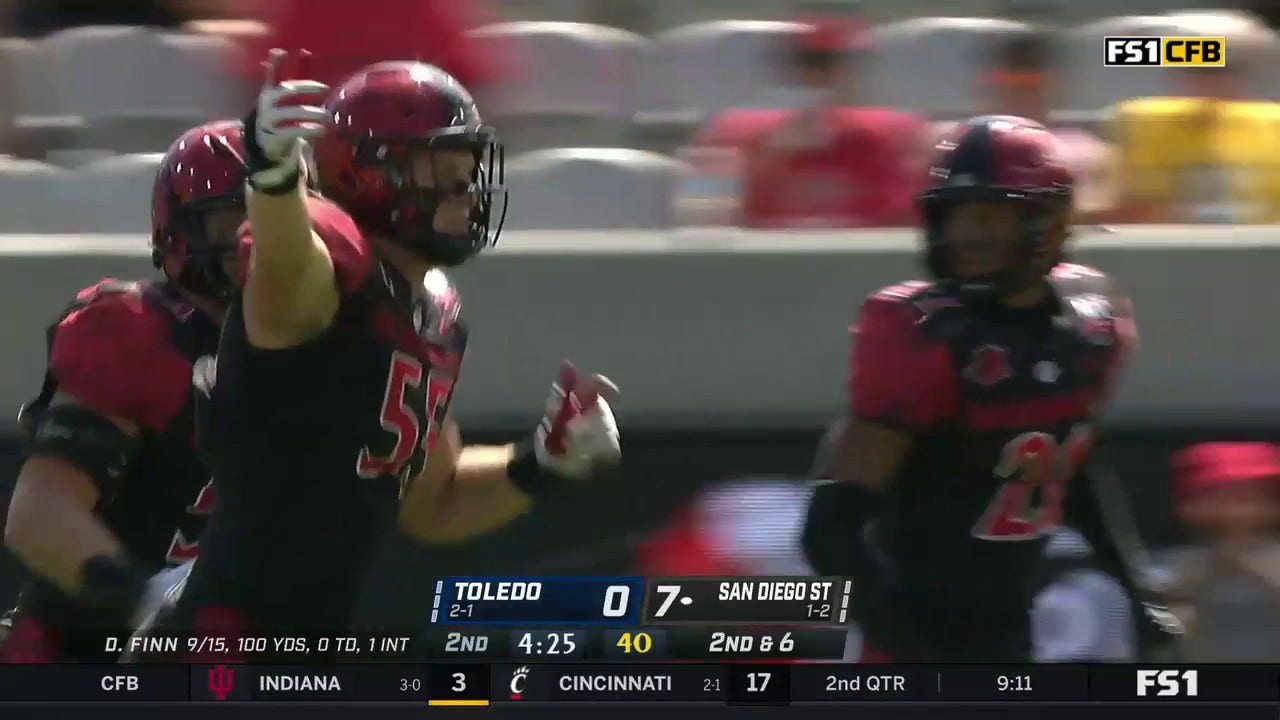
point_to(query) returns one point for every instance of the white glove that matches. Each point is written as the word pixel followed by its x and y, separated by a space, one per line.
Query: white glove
pixel 163 590
pixel 579 430
pixel 281 126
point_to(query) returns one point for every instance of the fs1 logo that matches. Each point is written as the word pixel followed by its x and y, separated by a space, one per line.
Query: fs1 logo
pixel 1171 683
pixel 1165 52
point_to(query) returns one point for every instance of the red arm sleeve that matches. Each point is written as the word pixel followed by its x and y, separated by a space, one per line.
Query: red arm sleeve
pixel 352 257
pixel 114 355
pixel 899 377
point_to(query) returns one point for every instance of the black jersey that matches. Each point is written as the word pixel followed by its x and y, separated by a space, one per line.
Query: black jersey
pixel 125 349
pixel 1001 404
pixel 312 447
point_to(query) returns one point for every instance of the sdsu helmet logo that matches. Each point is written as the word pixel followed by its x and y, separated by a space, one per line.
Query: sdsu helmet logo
pixel 989 365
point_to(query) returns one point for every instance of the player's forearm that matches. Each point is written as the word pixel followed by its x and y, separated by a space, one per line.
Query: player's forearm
pixel 479 498
pixel 290 294
pixel 282 235
pixel 51 527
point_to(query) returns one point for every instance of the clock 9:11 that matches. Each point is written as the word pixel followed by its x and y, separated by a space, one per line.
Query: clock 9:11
pixel 1013 683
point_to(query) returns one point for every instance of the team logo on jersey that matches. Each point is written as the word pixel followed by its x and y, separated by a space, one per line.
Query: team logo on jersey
pixel 989 365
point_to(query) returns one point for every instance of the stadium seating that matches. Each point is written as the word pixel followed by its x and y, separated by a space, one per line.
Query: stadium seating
pixel 932 65
pixel 707 67
pixel 114 194
pixel 36 198
pixel 576 83
pixel 589 188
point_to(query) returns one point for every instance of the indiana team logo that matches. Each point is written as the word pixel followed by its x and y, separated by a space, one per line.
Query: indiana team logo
pixel 989 365
pixel 221 681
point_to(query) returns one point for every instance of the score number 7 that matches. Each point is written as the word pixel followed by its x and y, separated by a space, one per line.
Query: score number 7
pixel 669 595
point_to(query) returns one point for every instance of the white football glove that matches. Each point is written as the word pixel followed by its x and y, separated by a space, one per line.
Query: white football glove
pixel 163 590
pixel 281 126
pixel 579 430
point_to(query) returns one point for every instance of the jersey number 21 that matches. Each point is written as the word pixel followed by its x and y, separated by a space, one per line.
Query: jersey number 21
pixel 1030 462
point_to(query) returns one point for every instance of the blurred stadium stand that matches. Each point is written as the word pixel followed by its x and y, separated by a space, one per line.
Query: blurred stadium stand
pixel 83 92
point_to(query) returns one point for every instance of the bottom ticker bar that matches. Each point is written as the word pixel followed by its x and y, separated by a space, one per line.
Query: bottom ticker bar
pixel 475 684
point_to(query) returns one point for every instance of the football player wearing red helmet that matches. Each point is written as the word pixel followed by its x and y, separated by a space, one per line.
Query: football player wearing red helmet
pixel 111 490
pixel 974 402
pixel 329 418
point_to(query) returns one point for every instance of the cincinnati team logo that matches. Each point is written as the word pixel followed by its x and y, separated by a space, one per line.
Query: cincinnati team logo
pixel 518 678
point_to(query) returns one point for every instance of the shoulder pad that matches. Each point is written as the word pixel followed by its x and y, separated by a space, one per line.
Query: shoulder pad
pixel 939 313
pixel 353 259
pixel 113 352
pixel 1070 279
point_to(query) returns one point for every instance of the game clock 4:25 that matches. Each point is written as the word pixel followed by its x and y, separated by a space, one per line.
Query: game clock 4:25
pixel 548 643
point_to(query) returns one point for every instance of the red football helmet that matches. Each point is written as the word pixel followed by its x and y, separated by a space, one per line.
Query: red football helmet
pixel 366 159
pixel 998 159
pixel 203 172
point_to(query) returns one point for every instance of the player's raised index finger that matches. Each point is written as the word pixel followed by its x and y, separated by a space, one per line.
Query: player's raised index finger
pixel 275 59
pixel 568 376
pixel 302 66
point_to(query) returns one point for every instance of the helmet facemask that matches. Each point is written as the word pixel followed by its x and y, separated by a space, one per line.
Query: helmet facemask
pixel 996 267
pixel 424 186
pixel 205 240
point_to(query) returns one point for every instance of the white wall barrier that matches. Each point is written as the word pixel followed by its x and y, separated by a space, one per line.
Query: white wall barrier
pixel 739 330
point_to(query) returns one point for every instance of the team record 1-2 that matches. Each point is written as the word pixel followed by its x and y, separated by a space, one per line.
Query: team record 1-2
pixel 748 683
pixel 635 600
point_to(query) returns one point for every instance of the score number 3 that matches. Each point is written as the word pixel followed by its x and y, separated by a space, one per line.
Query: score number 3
pixel 1030 461
pixel 400 420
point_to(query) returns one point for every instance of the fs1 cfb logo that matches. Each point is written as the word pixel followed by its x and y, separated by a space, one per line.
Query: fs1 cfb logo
pixel 1165 52
pixel 1168 683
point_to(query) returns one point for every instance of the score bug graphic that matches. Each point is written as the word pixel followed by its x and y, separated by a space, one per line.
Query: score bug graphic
pixel 518 600
pixel 747 599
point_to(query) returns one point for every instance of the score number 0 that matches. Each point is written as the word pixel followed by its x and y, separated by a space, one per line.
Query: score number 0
pixel 616 600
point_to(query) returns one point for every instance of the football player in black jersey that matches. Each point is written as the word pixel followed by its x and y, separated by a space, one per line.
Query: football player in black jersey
pixel 112 490
pixel 328 424
pixel 974 404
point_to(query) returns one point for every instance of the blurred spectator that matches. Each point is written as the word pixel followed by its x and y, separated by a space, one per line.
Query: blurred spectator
pixel 345 35
pixel 816 160
pixel 1226 589
pixel 1267 11
pixel 1212 155
pixel 1021 78
pixel 34 18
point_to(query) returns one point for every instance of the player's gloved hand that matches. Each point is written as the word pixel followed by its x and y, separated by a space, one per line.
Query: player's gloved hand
pixel 1160 634
pixel 162 591
pixel 278 127
pixel 578 433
